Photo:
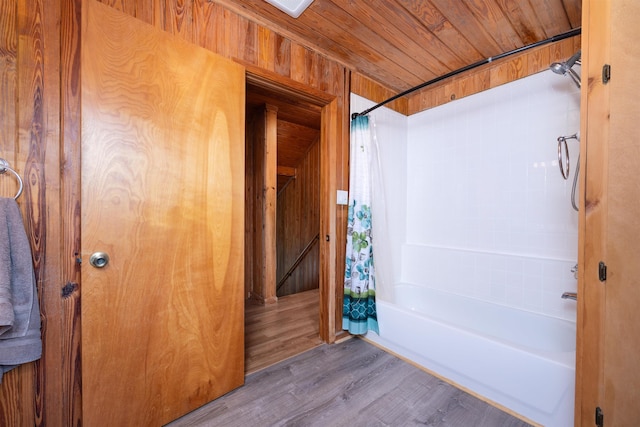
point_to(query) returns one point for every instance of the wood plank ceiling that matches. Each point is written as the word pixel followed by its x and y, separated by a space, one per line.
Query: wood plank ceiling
pixel 402 43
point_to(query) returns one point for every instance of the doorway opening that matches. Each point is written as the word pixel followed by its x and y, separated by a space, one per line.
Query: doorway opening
pixel 282 224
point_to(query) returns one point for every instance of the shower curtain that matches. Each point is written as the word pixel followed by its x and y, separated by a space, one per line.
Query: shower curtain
pixel 359 305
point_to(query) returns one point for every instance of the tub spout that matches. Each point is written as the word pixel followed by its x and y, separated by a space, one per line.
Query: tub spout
pixel 570 295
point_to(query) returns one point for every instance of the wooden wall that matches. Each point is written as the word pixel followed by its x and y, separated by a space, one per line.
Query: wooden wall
pixel 39 136
pixel 298 225
pixel 31 104
pixel 260 204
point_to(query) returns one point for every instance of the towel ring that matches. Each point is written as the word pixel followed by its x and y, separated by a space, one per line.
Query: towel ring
pixel 563 154
pixel 4 166
pixel 563 159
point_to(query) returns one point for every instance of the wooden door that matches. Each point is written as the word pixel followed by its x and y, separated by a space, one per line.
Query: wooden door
pixel 163 196
pixel 609 339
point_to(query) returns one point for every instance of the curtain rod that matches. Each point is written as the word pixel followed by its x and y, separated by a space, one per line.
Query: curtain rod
pixel 562 36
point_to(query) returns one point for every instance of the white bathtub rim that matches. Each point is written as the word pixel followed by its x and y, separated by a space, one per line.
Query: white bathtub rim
pixel 563 357
pixel 486 301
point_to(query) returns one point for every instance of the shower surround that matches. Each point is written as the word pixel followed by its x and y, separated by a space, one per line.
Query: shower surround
pixel 476 204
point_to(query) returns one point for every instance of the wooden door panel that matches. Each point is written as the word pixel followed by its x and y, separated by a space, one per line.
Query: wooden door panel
pixel 163 195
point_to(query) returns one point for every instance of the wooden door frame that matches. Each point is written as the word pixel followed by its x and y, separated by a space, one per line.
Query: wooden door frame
pixel 329 137
pixel 592 233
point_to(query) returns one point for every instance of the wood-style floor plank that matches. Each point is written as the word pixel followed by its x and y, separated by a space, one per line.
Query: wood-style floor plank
pixel 275 332
pixel 353 384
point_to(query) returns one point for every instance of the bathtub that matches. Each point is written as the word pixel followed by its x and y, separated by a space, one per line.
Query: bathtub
pixel 522 361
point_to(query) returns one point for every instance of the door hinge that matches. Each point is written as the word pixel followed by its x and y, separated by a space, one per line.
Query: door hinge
pixel 606 73
pixel 602 271
pixel 599 417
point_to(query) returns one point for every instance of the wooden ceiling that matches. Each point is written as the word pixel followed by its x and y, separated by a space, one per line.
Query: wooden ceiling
pixel 403 43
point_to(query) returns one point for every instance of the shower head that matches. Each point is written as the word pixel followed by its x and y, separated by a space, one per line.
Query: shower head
pixel 566 67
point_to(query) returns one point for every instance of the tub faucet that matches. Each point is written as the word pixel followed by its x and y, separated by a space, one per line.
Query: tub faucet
pixel 570 295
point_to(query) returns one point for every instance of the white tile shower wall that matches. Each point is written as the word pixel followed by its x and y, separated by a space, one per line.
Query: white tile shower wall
pixel 488 213
pixel 527 283
pixel 391 131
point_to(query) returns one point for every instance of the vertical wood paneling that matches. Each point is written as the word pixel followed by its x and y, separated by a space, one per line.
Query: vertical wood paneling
pixel 312 67
pixel 282 64
pixel 178 18
pixel 67 293
pixel 248 37
pixel 29 140
pixel 268 179
pixel 298 223
pixel 250 205
pixel 31 144
pixel 264 199
pixel 230 31
pixel 8 88
pixel 203 24
pixel 266 49
pixel 147 11
pixel 299 70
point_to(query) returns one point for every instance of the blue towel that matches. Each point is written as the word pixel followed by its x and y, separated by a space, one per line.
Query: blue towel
pixel 20 340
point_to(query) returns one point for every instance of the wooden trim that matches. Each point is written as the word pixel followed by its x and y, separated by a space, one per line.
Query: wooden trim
pixel 592 231
pixel 283 85
pixel 374 91
pixel 269 200
pixel 69 329
pixel 328 222
pixel 263 161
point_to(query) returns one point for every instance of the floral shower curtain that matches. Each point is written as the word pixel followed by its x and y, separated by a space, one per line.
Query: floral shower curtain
pixel 359 305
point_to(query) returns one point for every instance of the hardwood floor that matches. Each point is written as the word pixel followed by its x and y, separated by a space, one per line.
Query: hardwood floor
pixel 275 332
pixel 353 384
